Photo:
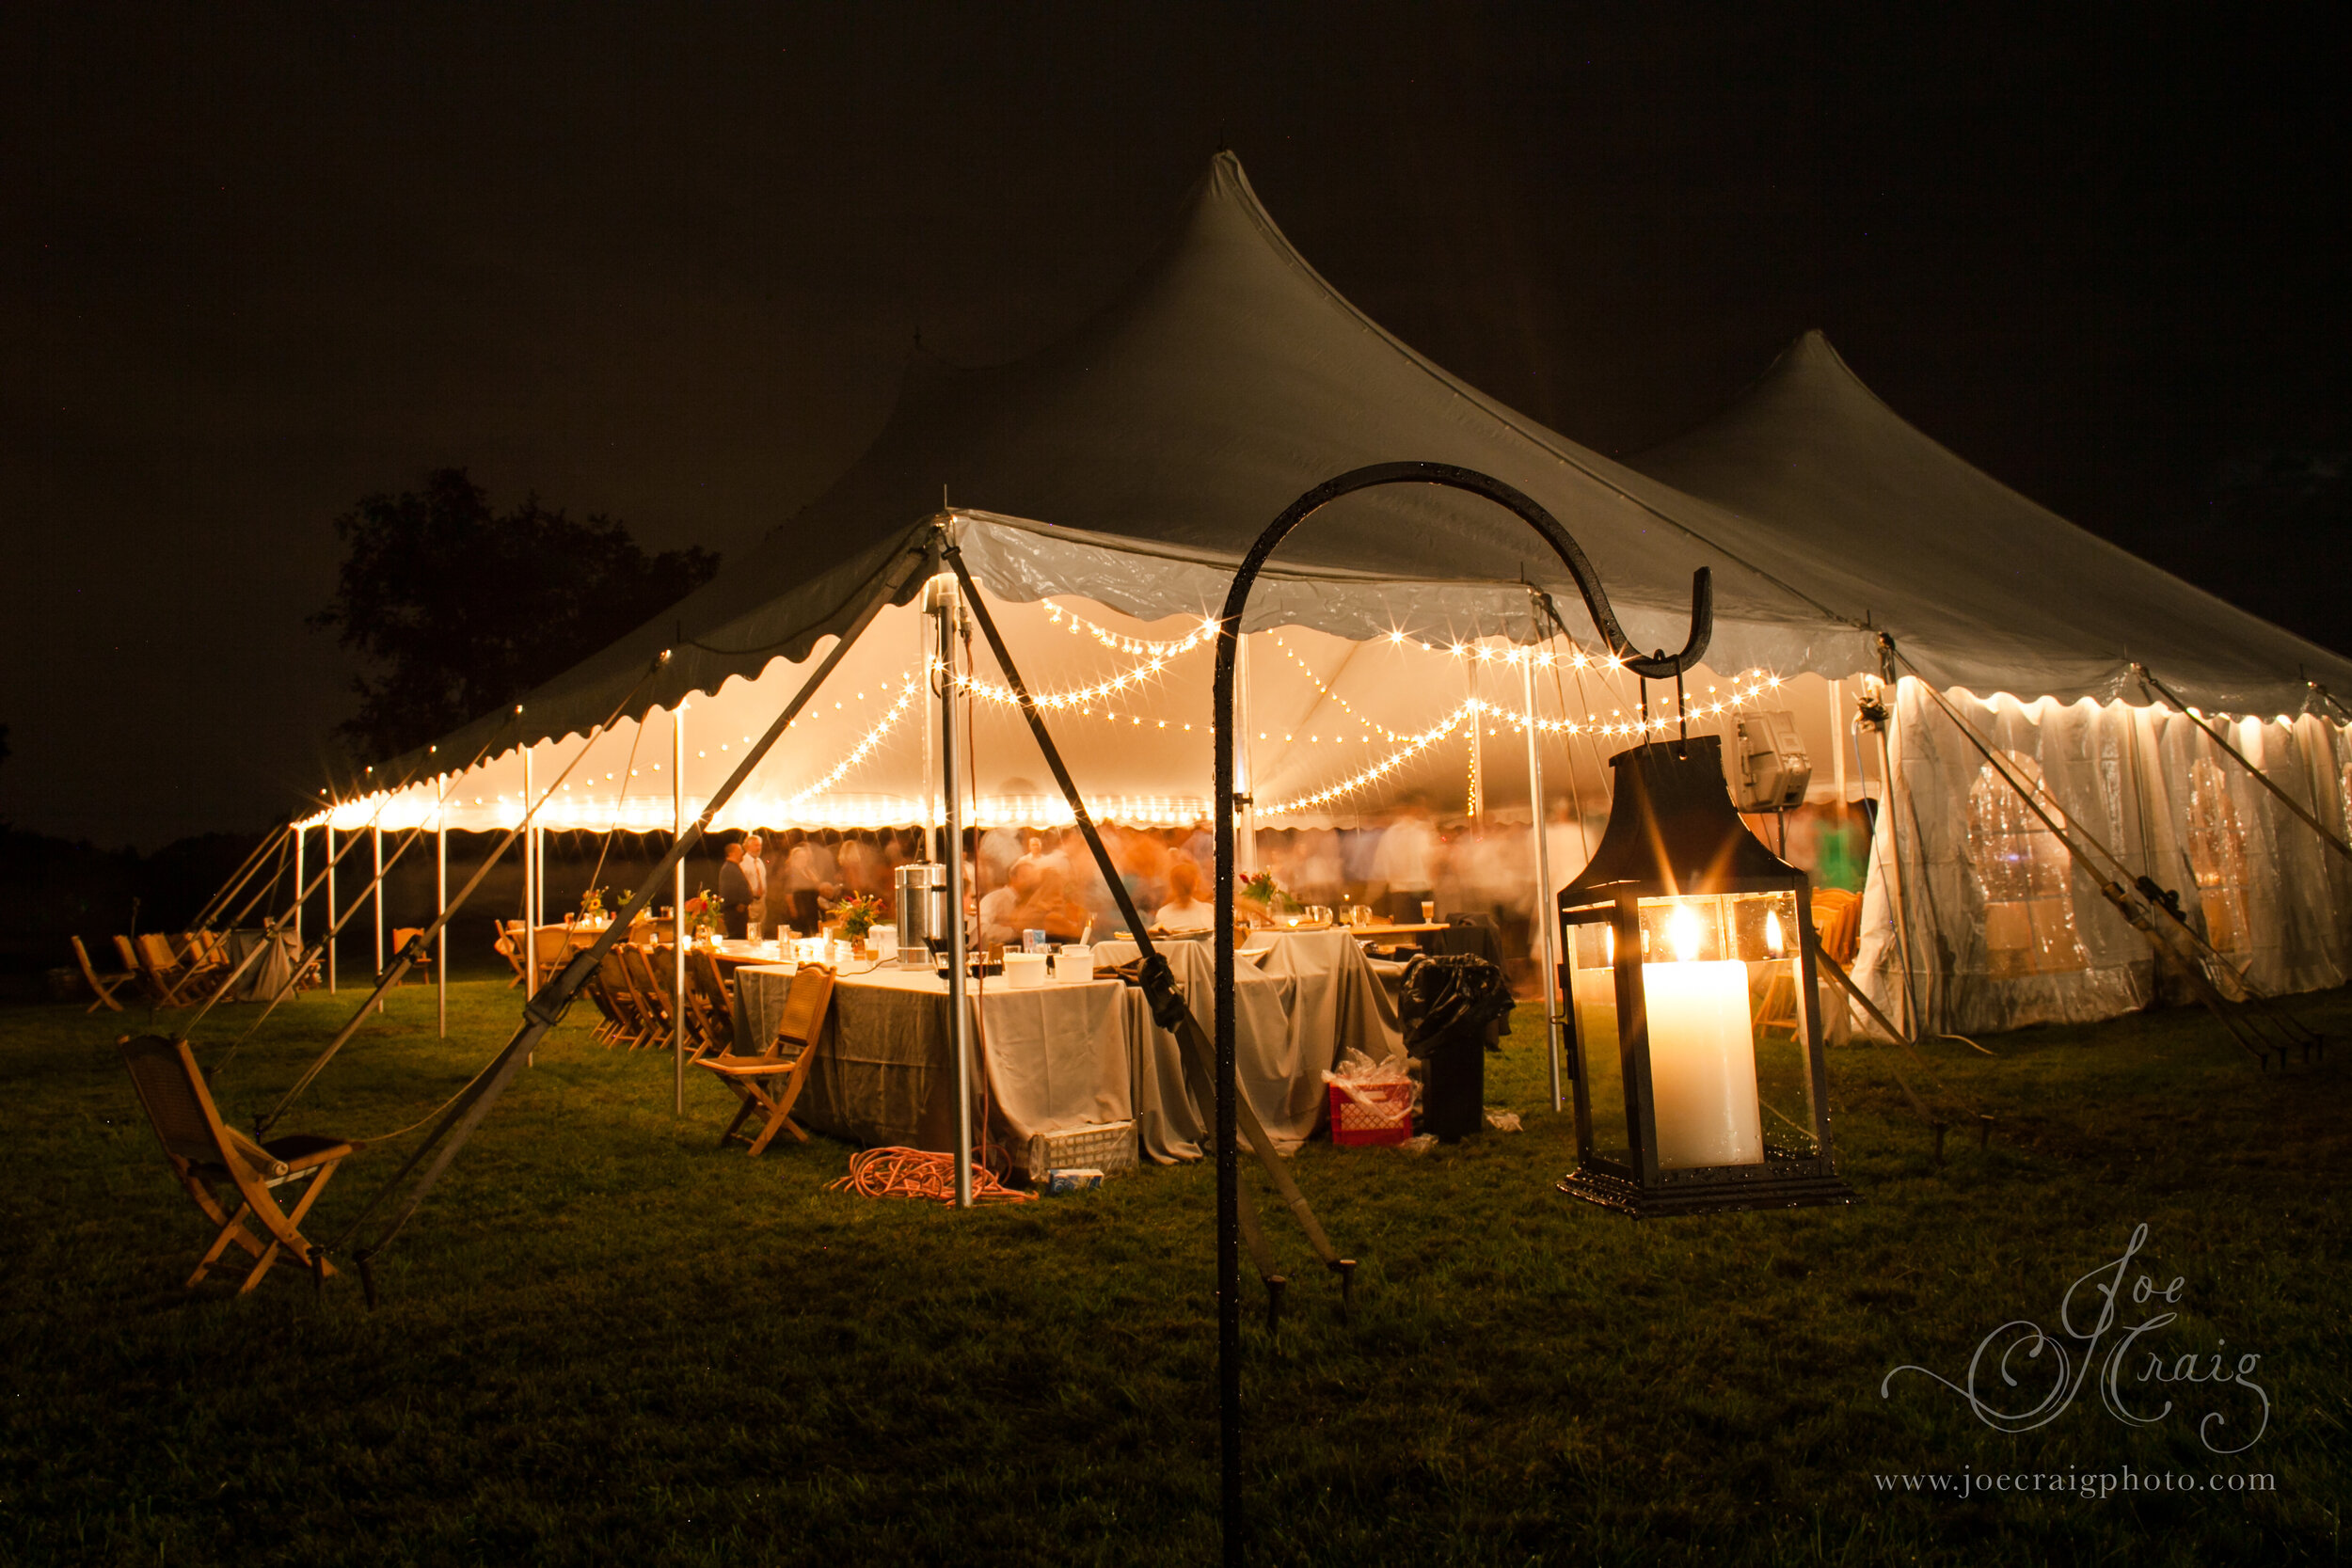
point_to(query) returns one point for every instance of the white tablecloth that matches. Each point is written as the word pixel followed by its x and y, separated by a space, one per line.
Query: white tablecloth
pixel 1298 1003
pixel 1056 1056
pixel 272 972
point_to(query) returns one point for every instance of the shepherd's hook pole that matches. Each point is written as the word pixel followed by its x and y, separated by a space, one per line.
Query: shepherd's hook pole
pixel 1225 803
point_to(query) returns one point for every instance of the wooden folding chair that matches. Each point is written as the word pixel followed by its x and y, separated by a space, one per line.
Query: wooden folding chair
pixel 653 997
pixel 709 1006
pixel 770 1084
pixel 550 950
pixel 211 1158
pixel 1837 925
pixel 423 970
pixel 510 945
pixel 205 958
pixel 104 985
pixel 159 966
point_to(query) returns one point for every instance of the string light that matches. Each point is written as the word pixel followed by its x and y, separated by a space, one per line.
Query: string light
pixel 1119 641
pixel 908 689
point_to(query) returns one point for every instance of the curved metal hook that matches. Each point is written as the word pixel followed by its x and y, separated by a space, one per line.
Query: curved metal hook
pixel 1657 667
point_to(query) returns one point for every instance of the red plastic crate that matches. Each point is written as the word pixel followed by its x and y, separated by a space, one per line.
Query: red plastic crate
pixel 1388 1120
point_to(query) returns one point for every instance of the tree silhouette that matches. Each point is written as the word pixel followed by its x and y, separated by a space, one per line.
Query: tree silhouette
pixel 459 610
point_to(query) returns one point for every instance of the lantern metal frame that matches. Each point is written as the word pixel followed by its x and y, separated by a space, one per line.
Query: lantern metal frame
pixel 1674 833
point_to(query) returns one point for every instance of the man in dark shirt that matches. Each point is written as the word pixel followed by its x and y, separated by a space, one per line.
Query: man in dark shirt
pixel 735 893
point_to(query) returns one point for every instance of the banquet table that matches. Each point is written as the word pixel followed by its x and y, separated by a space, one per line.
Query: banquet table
pixel 1056 1056
pixel 1300 1001
pixel 273 972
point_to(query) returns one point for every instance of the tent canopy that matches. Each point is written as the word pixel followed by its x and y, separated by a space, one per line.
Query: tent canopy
pixel 1133 462
pixel 1979 586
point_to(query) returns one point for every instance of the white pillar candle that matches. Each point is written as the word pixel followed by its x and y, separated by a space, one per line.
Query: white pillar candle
pixel 1702 1061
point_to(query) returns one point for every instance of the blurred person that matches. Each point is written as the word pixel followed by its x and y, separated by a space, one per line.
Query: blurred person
pixel 805 885
pixel 735 893
pixel 756 876
pixel 1001 910
pixel 1183 910
pixel 1318 876
pixel 1405 864
pixel 1052 910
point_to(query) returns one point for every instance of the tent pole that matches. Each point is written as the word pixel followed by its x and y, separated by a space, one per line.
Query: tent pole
pixel 943 605
pixel 301 838
pixel 531 915
pixel 376 842
pixel 1545 916
pixel 1246 779
pixel 1899 885
pixel 331 942
pixel 678 910
pixel 441 901
pixel 1836 751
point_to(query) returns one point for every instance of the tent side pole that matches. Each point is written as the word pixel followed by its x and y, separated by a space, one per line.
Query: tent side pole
pixel 678 910
pixel 331 942
pixel 301 838
pixel 440 904
pixel 375 899
pixel 1546 917
pixel 531 914
pixel 958 1014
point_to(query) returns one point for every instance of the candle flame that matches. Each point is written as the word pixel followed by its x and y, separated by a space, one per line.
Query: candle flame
pixel 1683 932
pixel 1773 943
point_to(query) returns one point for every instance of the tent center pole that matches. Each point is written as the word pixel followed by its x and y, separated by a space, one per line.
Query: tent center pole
pixel 1546 921
pixel 943 607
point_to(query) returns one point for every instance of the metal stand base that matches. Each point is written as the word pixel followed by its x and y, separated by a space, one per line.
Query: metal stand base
pixel 1799 1184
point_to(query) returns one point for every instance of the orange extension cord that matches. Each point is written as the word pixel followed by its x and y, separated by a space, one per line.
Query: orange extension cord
pixel 896 1172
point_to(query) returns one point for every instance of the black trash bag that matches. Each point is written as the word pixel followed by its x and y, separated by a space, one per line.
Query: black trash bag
pixel 1454 1010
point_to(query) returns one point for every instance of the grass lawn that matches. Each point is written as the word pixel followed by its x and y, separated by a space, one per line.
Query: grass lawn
pixel 603 1339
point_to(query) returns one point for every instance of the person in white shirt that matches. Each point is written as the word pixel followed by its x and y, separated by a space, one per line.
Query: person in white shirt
pixel 1405 862
pixel 1183 910
pixel 756 874
pixel 1000 911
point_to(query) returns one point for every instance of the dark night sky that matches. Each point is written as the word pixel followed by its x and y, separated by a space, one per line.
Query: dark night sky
pixel 667 264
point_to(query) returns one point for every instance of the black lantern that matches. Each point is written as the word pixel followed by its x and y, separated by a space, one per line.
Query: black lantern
pixel 1691 994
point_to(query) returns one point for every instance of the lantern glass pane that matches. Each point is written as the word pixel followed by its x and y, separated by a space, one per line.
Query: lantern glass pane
pixel 1784 1021
pixel 1593 997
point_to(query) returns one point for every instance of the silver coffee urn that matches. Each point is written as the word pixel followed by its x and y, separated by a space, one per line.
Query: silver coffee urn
pixel 921 913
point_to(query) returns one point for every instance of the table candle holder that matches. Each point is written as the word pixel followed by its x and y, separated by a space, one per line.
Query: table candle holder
pixel 1694 1007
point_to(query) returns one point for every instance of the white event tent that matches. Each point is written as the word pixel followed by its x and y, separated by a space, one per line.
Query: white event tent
pixel 1102 490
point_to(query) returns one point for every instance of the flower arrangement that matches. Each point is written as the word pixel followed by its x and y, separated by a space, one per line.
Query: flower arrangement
pixel 1260 899
pixel 859 913
pixel 591 903
pixel 702 913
